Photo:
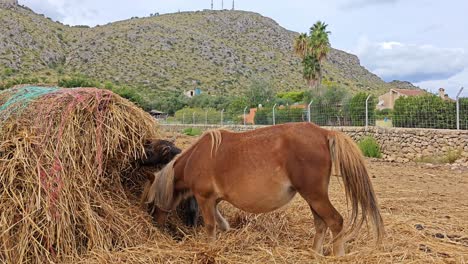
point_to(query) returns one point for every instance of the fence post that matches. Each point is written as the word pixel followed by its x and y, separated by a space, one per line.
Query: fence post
pixel 458 108
pixel 183 118
pixel 367 111
pixel 245 110
pixel 222 113
pixel 274 121
pixel 308 110
pixel 193 118
pixel 206 117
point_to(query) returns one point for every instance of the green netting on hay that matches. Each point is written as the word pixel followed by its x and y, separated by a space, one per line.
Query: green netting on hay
pixel 19 98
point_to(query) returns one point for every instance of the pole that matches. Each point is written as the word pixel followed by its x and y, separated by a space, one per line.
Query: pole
pixel 193 118
pixel 222 113
pixel 222 4
pixel 245 110
pixel 367 111
pixel 183 118
pixel 274 121
pixel 211 4
pixel 206 117
pixel 308 110
pixel 458 108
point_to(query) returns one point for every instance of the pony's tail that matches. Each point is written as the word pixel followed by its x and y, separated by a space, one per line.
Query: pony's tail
pixel 347 161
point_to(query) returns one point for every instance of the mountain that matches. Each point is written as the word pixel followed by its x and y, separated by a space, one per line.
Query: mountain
pixel 218 51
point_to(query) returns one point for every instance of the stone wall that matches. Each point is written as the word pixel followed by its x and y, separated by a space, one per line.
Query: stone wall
pixel 397 144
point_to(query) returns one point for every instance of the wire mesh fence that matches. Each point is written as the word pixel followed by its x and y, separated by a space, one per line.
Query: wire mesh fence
pixel 410 112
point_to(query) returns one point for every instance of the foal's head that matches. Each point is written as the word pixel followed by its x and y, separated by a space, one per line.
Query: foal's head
pixel 159 153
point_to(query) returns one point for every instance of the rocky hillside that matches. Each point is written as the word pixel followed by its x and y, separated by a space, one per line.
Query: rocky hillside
pixel 219 51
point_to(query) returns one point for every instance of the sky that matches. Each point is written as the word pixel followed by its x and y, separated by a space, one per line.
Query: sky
pixel 421 41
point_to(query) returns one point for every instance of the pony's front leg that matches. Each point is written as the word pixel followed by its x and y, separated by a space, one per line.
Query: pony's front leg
pixel 208 209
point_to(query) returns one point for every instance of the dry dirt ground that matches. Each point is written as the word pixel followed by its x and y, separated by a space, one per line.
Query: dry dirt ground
pixel 425 210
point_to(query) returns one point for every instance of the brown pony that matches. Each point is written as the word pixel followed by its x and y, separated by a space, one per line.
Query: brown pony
pixel 261 170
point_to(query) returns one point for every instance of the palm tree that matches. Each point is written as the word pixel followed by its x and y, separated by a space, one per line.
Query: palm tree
pixel 301 44
pixel 320 44
pixel 313 49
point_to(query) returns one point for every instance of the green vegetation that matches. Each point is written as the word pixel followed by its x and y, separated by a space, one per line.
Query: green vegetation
pixel 429 111
pixel 357 109
pixel 449 157
pixel 191 131
pixel 264 116
pixel 77 81
pixel 294 97
pixel 313 49
pixel 370 147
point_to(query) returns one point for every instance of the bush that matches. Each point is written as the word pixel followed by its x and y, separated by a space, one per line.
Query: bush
pixel 295 97
pixel 370 147
pixel 191 131
pixel 450 157
pixel 429 111
pixel 198 116
pixel 77 81
pixel 264 116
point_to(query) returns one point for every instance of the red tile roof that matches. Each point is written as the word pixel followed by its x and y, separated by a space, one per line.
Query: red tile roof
pixel 409 92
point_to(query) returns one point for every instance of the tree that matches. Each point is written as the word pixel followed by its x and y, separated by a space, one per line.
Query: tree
pixel 313 49
pixel 259 92
pixel 320 44
pixel 356 109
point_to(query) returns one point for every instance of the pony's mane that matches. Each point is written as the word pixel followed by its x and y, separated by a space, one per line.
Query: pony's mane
pixel 161 191
pixel 216 139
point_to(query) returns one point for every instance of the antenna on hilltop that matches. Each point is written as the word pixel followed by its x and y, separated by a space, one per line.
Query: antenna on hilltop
pixel 211 4
pixel 222 4
pixel 233 5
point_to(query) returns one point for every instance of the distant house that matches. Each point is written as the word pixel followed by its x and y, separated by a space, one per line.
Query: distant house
pixel 192 93
pixel 444 96
pixel 387 101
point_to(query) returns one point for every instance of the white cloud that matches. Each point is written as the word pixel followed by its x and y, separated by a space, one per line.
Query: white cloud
pixel 408 62
pixel 452 85
pixel 72 12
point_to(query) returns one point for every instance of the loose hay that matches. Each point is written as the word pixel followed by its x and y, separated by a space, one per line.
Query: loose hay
pixel 97 221
pixel 63 153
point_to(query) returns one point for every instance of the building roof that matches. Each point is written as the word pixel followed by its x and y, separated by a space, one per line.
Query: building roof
pixel 155 112
pixel 409 92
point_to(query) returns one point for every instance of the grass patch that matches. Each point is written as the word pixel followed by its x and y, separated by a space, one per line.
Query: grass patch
pixel 449 157
pixel 370 147
pixel 192 131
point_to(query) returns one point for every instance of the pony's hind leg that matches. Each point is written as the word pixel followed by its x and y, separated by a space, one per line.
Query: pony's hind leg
pixel 221 221
pixel 208 210
pixel 320 232
pixel 322 206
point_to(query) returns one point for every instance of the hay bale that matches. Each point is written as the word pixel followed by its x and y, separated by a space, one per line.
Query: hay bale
pixel 63 153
